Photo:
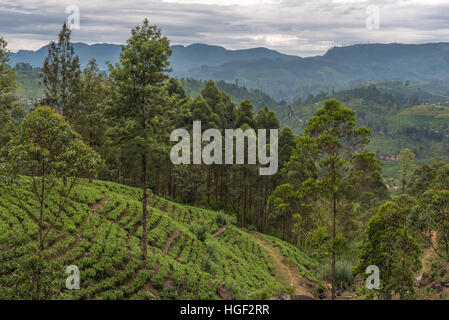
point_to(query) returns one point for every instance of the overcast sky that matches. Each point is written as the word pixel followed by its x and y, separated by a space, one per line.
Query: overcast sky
pixel 301 27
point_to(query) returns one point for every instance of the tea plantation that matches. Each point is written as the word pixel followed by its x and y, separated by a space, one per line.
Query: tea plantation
pixel 100 232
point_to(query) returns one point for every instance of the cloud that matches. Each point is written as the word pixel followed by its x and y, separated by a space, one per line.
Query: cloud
pixel 306 27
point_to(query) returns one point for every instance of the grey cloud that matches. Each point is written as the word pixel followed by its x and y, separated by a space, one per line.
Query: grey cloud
pixel 304 27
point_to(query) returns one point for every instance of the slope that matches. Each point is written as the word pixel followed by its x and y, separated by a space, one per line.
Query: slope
pixel 100 231
pixel 286 267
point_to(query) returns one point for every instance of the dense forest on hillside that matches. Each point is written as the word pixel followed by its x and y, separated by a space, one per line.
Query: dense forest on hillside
pixel 398 115
pixel 380 105
pixel 87 180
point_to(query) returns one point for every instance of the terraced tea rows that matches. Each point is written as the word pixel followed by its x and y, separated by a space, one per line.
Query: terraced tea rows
pixel 100 231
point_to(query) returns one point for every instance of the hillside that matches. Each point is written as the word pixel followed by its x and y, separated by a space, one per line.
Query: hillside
pixel 237 93
pixel 396 116
pixel 192 253
pixel 339 68
pixel 284 76
pixel 183 58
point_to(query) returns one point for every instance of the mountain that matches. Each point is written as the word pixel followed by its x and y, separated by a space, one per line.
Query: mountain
pixel 340 67
pixel 183 58
pixel 283 76
pixel 102 52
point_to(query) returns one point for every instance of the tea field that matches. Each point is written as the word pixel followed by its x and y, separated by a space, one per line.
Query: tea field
pixel 193 253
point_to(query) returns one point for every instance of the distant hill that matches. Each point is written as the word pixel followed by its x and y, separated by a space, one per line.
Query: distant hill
pixel 102 52
pixel 284 76
pixel 183 58
pixel 399 115
pixel 339 67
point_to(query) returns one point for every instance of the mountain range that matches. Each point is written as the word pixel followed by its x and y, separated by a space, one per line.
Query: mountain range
pixel 183 58
pixel 285 76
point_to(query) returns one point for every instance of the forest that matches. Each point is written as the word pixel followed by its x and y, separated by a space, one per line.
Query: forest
pixel 86 180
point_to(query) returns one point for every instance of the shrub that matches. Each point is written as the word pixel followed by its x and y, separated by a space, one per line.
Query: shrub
pixel 343 274
pixel 235 288
pixel 224 219
pixel 251 227
pixel 200 231
pixel 209 266
pixel 169 293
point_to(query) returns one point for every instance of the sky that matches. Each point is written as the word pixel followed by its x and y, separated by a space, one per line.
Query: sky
pixel 298 27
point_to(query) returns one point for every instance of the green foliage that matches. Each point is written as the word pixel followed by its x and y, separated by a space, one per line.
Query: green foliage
pixel 169 294
pixel 105 244
pixel 432 217
pixel 406 163
pixel 326 190
pixel 200 231
pixel 390 246
pixel 53 156
pixel 333 137
pixel 8 102
pixel 343 274
pixel 46 146
pixel 61 76
pixel 223 219
pixel 89 119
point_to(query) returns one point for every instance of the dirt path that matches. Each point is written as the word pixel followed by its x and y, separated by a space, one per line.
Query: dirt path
pixel 95 207
pixel 219 231
pixel 172 237
pixel 284 271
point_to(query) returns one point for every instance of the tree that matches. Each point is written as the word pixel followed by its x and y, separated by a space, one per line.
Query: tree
pixel 430 217
pixel 89 120
pixel 245 115
pixel 282 200
pixel 433 211
pixel 421 180
pixel 136 99
pixel 175 88
pixel 266 119
pixel 406 163
pixel 287 143
pixel 61 76
pixel 390 246
pixel 441 181
pixel 21 264
pixel 214 99
pixel 47 158
pixel 201 111
pixel 366 179
pixel 8 102
pixel 333 132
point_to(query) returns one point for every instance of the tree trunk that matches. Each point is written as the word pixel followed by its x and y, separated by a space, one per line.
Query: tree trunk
pixel 216 185
pixel 144 205
pixel 169 185
pixel 38 286
pixel 245 182
pixel 174 190
pixel 334 216
pixel 283 228
pixel 209 186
